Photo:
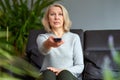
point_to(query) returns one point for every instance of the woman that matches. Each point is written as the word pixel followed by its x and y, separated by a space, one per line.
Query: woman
pixel 64 57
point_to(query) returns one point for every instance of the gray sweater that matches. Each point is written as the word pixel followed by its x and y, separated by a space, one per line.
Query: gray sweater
pixel 68 56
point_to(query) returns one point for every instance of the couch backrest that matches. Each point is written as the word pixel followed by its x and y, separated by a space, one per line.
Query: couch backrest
pixel 31 48
pixel 96 49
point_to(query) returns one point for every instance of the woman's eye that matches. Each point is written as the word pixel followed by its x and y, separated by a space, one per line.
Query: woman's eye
pixel 52 14
pixel 61 14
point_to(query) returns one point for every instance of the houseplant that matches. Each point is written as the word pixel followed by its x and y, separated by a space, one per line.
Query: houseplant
pixel 18 17
pixel 10 65
pixel 108 74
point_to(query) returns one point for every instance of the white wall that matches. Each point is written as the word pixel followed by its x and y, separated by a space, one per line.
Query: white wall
pixel 94 14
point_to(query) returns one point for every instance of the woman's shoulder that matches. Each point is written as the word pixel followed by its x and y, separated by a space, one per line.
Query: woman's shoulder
pixel 44 34
pixel 73 34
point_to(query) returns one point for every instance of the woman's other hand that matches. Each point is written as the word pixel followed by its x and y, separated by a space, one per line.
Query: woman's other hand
pixel 55 70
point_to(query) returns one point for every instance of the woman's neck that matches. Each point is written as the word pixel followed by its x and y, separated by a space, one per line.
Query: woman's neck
pixel 59 32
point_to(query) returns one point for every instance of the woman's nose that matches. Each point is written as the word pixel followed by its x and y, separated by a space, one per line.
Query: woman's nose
pixel 56 16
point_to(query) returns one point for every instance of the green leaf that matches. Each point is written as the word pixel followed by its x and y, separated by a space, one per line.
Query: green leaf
pixel 5 76
pixel 3 34
pixel 108 75
pixel 2 6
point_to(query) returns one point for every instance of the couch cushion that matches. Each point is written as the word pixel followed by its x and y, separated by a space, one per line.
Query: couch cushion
pixel 32 52
pixel 96 49
pixel 98 39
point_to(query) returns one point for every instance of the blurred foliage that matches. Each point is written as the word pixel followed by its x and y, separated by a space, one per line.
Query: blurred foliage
pixel 10 65
pixel 18 17
pixel 107 71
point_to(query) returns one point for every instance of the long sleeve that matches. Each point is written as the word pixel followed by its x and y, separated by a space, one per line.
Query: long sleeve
pixel 78 64
pixel 40 40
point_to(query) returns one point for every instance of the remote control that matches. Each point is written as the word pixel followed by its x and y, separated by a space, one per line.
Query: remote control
pixel 57 39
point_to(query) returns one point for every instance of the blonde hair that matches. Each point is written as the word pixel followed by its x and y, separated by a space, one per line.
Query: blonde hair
pixel 67 21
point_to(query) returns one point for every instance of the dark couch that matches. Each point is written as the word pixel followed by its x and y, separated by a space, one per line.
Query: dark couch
pixel 95 50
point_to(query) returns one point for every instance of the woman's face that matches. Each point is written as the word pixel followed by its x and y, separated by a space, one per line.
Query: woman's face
pixel 55 17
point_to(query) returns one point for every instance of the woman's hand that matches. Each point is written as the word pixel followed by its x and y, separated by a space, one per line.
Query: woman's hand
pixel 55 70
pixel 51 43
